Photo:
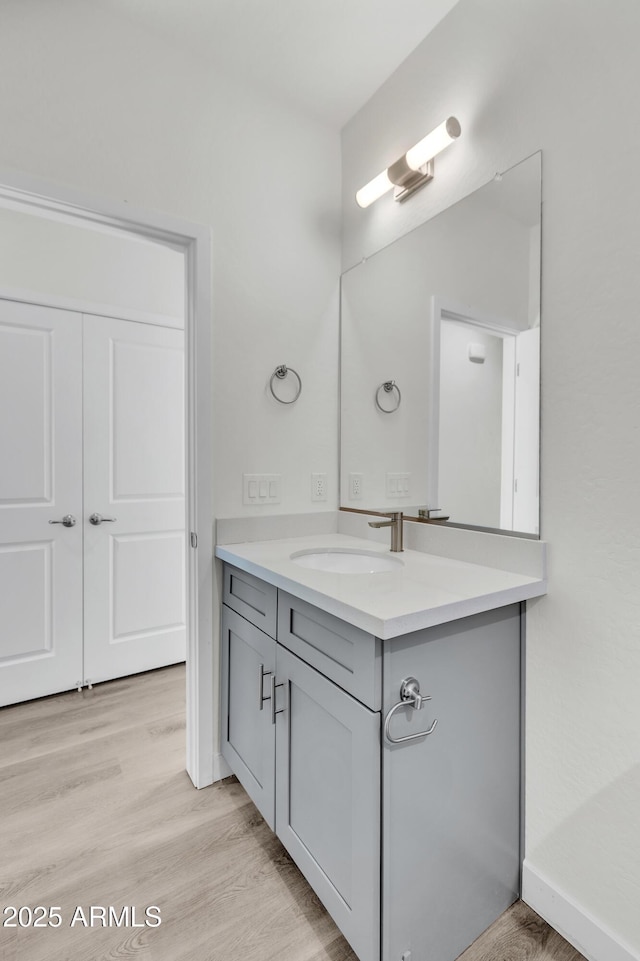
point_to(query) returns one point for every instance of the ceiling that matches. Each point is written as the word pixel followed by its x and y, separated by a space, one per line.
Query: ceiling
pixel 326 56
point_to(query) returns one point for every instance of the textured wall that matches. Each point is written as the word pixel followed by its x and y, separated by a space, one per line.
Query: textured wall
pixel 95 101
pixel 51 257
pixel 561 77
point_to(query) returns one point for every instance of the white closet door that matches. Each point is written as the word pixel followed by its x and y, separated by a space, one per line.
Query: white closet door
pixel 40 481
pixel 134 477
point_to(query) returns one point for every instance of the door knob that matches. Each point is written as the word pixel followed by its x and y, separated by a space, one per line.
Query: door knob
pixel 97 519
pixel 67 521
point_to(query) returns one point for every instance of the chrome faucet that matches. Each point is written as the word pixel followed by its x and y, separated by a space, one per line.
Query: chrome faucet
pixel 395 523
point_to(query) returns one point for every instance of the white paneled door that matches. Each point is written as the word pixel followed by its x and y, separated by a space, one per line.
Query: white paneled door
pixel 134 478
pixel 93 431
pixel 40 484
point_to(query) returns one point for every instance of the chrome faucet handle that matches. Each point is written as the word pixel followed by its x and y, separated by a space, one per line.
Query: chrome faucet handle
pixel 427 511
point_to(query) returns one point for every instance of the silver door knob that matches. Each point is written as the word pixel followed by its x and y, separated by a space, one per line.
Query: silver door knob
pixel 67 521
pixel 97 519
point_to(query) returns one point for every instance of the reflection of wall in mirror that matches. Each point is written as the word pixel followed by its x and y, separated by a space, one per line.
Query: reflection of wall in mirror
pixel 472 253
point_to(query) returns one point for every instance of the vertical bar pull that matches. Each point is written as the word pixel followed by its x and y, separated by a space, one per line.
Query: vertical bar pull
pixel 273 699
pixel 261 697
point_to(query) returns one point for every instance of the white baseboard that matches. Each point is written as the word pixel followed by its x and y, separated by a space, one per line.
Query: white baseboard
pixel 220 768
pixel 573 922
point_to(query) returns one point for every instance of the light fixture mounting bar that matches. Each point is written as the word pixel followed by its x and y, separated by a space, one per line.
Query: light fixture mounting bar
pixel 420 177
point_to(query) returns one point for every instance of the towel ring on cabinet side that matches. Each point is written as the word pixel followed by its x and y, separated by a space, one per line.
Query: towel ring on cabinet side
pixel 409 696
pixel 281 372
pixel 388 386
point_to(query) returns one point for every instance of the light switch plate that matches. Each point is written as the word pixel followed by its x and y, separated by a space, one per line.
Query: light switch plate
pixel 398 485
pixel 261 488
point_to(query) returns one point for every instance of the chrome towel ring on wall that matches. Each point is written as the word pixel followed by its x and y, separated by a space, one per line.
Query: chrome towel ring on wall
pixel 388 386
pixel 280 373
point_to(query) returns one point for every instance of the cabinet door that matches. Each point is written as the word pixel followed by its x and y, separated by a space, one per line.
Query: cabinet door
pixel 328 797
pixel 248 731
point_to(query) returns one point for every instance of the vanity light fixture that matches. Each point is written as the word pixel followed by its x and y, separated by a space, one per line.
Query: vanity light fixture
pixel 413 169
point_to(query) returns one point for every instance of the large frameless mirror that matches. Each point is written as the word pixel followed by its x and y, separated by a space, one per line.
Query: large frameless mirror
pixel 440 364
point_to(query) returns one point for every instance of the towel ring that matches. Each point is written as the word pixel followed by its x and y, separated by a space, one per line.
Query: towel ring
pixel 388 386
pixel 281 372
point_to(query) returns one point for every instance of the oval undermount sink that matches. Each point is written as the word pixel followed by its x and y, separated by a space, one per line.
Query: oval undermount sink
pixel 345 561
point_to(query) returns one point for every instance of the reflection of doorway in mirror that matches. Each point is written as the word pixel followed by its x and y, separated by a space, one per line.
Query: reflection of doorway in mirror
pixel 526 492
pixel 485 420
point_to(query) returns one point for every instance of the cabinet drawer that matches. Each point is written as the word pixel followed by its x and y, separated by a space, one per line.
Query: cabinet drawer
pixel 252 598
pixel 345 654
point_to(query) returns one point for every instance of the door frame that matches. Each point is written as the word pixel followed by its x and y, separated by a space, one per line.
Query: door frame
pixel 443 309
pixel 195 240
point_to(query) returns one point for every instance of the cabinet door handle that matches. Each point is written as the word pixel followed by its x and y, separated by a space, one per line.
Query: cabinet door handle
pixel 409 695
pixel 273 699
pixel 261 697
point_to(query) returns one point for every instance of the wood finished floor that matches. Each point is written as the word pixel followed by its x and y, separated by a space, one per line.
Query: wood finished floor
pixel 96 809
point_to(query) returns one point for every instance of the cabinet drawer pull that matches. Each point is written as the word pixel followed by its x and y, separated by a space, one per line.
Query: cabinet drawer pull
pixel 410 695
pixel 261 697
pixel 273 699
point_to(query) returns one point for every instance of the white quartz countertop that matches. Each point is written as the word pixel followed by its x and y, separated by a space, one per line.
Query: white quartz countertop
pixel 425 590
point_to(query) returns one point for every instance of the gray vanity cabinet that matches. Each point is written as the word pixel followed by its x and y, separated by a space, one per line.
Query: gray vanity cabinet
pixel 412 843
pixel 306 750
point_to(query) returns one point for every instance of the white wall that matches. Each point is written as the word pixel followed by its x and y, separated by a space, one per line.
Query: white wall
pixel 98 103
pixel 562 77
pixel 53 257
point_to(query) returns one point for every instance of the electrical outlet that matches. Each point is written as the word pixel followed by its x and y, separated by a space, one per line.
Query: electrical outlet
pixel 355 487
pixel 261 488
pixel 398 485
pixel 318 487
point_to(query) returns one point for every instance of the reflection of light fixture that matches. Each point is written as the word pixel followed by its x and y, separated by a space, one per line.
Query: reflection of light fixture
pixel 412 170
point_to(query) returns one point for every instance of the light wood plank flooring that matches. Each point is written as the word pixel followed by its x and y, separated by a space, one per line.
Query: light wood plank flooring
pixel 96 809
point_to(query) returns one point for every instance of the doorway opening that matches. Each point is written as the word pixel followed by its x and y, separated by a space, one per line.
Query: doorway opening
pixel 23 199
pixel 484 412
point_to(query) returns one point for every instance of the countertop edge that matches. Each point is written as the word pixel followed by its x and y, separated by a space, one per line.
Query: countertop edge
pixel 395 626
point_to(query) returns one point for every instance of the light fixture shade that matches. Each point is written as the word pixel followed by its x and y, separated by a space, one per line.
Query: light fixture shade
pixel 374 189
pixel 433 143
pixel 413 169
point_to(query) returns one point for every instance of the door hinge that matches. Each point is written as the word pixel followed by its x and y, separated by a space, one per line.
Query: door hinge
pixel 194 539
